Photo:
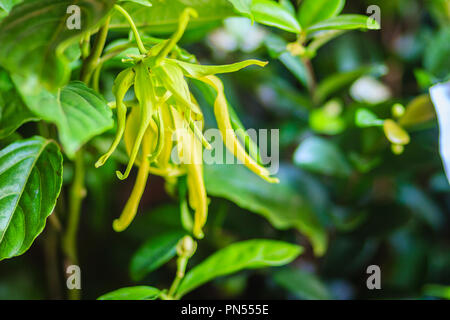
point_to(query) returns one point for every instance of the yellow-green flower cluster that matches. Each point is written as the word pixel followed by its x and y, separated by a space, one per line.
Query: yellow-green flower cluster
pixel 166 108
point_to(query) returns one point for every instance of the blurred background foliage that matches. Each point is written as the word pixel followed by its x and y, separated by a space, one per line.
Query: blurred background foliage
pixel 359 202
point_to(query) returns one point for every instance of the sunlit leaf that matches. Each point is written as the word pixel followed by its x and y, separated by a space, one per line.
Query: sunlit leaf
pixel 365 118
pixel 313 11
pixel 273 14
pixel 244 7
pixel 345 22
pixel 162 16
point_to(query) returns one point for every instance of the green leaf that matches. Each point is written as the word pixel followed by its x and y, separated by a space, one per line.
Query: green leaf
pixel 79 112
pixel 328 120
pixel 322 156
pixel 132 293
pixel 314 11
pixel 421 204
pixel 162 16
pixel 153 254
pixel 303 285
pixel 13 112
pixel 33 46
pixel 340 81
pixel 277 49
pixel 436 55
pixel 251 254
pixel 345 22
pixel 244 7
pixel 7 5
pixel 365 118
pixel 287 4
pixel 146 3
pixel 281 204
pixel 440 95
pixel 436 290
pixel 30 182
pixel 273 14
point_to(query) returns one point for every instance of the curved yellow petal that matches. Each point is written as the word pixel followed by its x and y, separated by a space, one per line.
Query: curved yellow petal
pixel 182 24
pixel 145 94
pixel 122 83
pixel 228 134
pixel 130 209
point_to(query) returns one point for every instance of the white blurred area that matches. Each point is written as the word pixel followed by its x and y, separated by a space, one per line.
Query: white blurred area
pixel 236 34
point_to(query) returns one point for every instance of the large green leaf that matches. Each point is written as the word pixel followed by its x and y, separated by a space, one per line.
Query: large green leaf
pixel 273 14
pixel 163 15
pixel 249 254
pixel 346 22
pixel 296 202
pixel 322 156
pixel 30 182
pixel 34 37
pixel 132 293
pixel 153 254
pixel 79 112
pixel 303 285
pixel 313 11
pixel 244 7
pixel 13 112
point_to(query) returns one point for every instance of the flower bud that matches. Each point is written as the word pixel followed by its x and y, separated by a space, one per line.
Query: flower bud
pixel 186 247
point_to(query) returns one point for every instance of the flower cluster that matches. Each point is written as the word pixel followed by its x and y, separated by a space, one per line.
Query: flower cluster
pixel 166 108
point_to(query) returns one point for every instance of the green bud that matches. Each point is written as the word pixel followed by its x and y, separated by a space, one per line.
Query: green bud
pixel 186 247
pixel 398 110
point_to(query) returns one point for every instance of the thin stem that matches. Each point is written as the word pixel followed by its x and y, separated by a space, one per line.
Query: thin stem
pixel 130 21
pixel 92 60
pixel 312 84
pixel 181 269
pixel 51 261
pixel 77 193
pixel 85 45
